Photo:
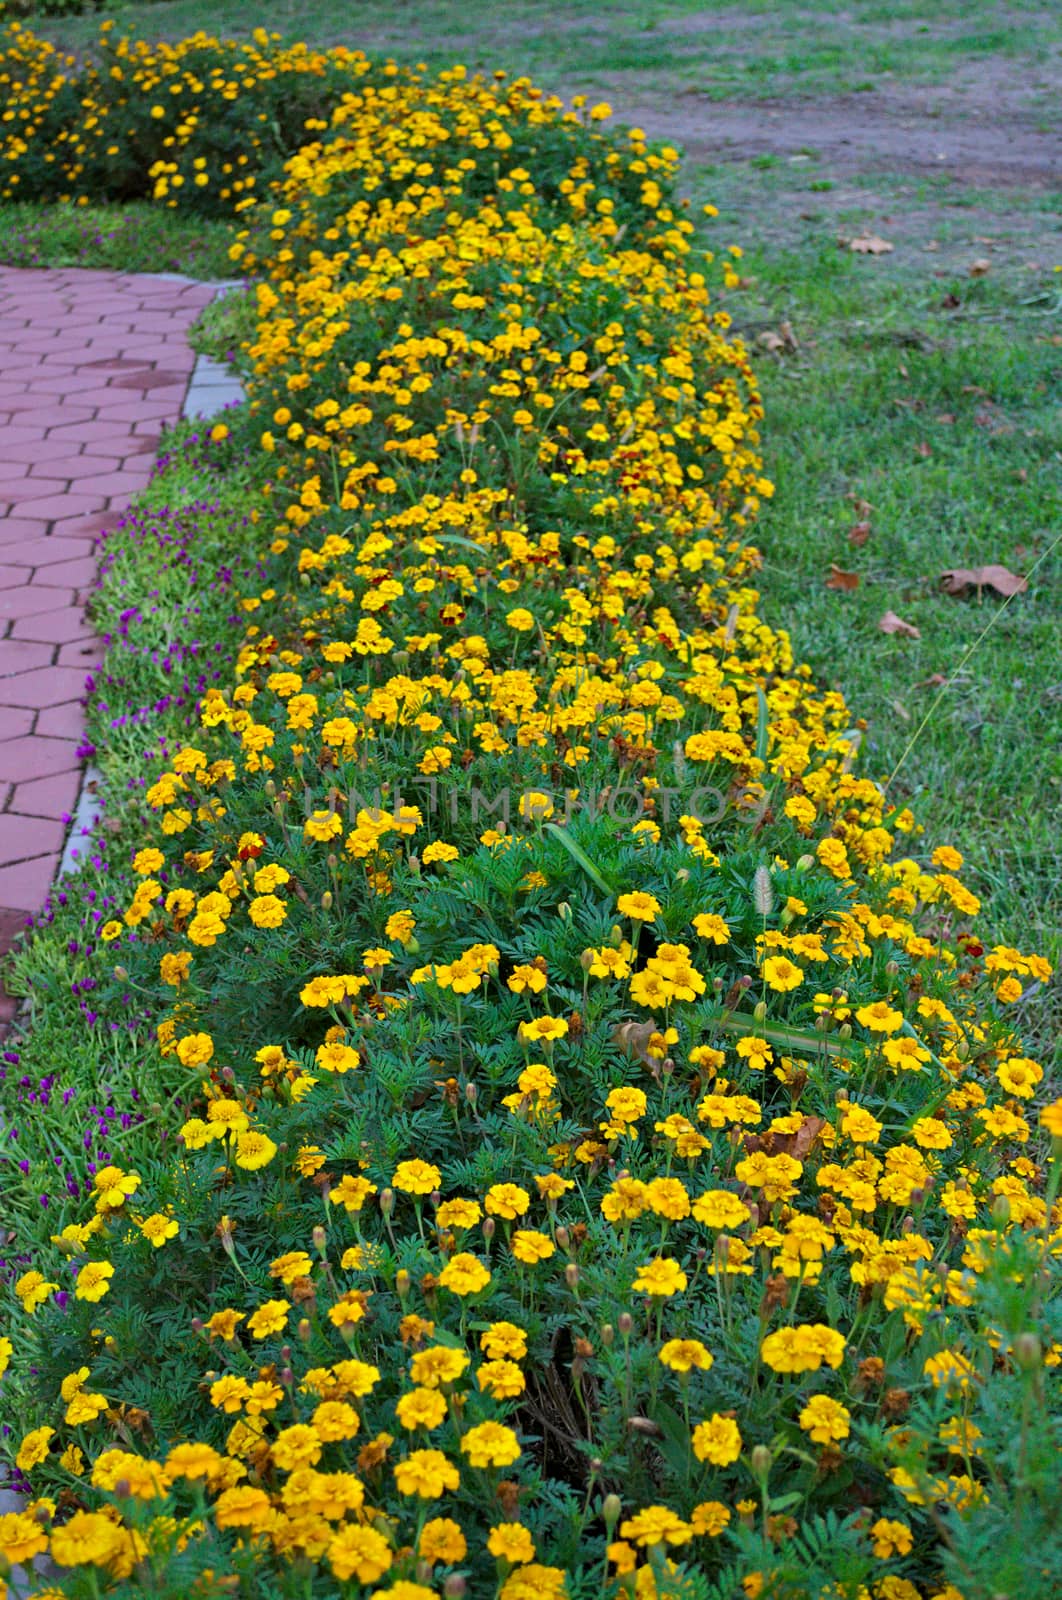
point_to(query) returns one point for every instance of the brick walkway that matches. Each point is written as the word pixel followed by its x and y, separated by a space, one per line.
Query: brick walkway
pixel 92 364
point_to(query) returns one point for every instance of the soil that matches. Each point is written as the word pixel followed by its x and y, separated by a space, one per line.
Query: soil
pixel 981 145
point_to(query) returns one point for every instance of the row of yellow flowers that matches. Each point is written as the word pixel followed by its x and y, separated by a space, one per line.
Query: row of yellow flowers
pixel 601 1133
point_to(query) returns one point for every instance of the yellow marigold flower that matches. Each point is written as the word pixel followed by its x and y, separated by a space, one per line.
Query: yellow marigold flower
pixel 174 968
pixel 1051 1119
pixel 193 1461
pixel 421 1408
pixel 667 1197
pixel 195 1050
pixel 507 1200
pixel 6 1350
pixel 662 1276
pixel 781 974
pixel 803 1348
pixel 711 927
pixel 442 1542
pixel 439 851
pixel 426 1473
pixel 520 620
pixel 297 1446
pixel 438 1366
pixel 229 1392
pixel 718 1440
pixel 94 1280
pixel 891 1538
pixel 416 1177
pixel 684 1355
pixel 535 1582
pixel 33 1449
pixel 906 1054
pixel 254 1149
pixel 929 1133
pixel 359 1552
pixel 399 926
pixel 530 1246
pixel 33 1290
pixel 110 931
pixel 323 825
pixel 458 1213
pixel 351 1193
pixel 656 1525
pixel 145 1480
pixel 880 1017
pixel 1020 1076
pixel 223 1324
pixel 949 1369
pixel 158 1228
pixel 709 1519
pixel 718 1208
pixel 824 1420
pixel 267 911
pixel 464 1274
pixel 511 1542
pixel 243 1507
pixel 860 1126
pixel 271 1317
pixel 503 1340
pixel 544 1028
pixel 491 1444
pixel 87 1539
pixel 639 906
pixel 21 1537
pixel 502 1379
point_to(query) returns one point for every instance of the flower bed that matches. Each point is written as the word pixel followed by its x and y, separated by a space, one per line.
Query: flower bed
pixel 587 1148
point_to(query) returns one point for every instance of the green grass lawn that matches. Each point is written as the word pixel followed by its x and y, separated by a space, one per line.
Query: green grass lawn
pixel 914 389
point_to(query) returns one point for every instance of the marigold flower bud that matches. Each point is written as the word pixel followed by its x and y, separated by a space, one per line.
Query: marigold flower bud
pixel 571 1275
pixel 611 1506
pixel 122 974
pixel 760 1462
pixel 608 1333
pixel 387 1201
pixel 625 1322
pixel 1028 1352
pixel 320 1240
pixel 326 900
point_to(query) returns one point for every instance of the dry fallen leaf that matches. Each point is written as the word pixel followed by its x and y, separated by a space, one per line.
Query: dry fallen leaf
pixel 936 680
pixel 923 449
pixel 858 534
pixel 862 508
pixel 839 579
pixel 870 244
pixel 950 302
pixel 979 267
pixel 891 623
pixel 1004 582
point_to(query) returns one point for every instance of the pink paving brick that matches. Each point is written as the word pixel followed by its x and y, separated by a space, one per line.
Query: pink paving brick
pixel 22 655
pixel 44 686
pixel 46 552
pixel 33 756
pixel 15 723
pixel 59 724
pixel 24 884
pixel 53 797
pixel 22 838
pixel 56 626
